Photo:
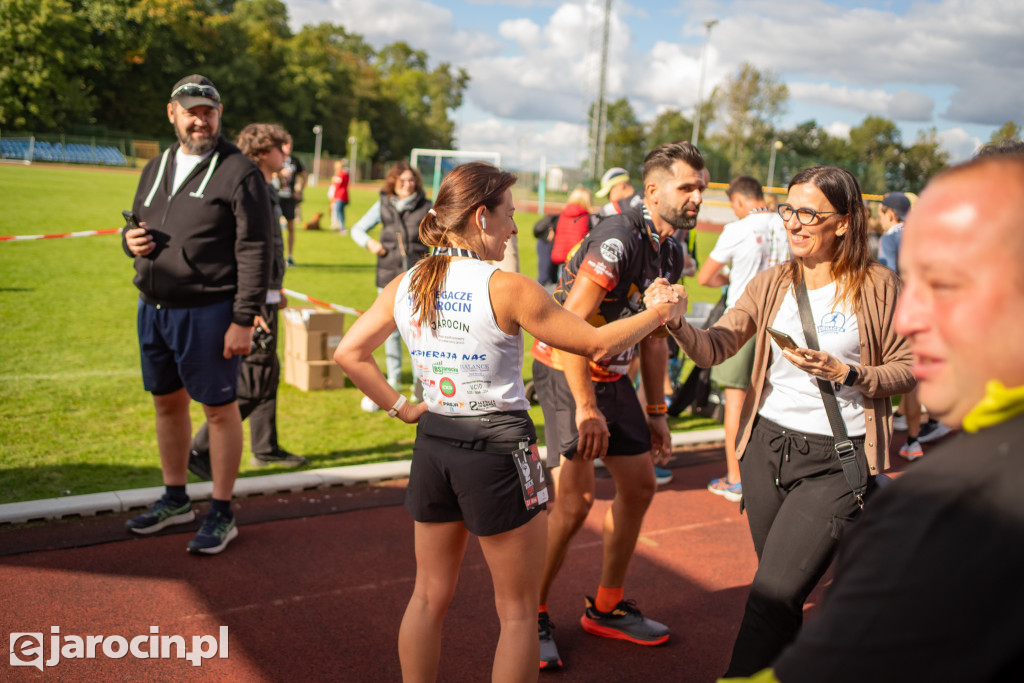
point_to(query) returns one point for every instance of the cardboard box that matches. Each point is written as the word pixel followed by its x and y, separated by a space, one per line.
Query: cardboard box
pixel 310 337
pixel 312 333
pixel 313 375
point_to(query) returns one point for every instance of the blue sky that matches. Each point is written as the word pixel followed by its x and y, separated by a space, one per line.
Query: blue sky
pixel 955 65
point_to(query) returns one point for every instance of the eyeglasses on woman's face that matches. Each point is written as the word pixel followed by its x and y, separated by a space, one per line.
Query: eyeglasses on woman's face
pixel 804 215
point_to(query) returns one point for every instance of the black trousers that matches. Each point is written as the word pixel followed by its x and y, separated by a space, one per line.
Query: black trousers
pixel 257 394
pixel 798 502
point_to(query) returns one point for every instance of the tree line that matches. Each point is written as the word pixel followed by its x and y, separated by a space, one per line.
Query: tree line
pixel 99 67
pixel 747 106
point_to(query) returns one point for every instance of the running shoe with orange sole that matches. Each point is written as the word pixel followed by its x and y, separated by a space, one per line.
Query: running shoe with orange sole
pixel 549 658
pixel 624 622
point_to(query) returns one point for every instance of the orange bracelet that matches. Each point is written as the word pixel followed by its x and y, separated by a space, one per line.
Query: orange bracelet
pixel 657 409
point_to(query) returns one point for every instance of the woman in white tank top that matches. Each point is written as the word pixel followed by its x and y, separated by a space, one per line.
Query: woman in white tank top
pixel 462 320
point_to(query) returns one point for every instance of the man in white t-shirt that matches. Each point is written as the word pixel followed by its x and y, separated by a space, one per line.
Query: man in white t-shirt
pixel 621 195
pixel 747 246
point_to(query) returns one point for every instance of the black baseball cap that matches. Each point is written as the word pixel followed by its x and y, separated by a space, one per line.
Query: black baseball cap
pixel 898 202
pixel 195 91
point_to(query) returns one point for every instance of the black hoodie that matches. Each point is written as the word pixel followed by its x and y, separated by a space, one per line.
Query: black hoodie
pixel 213 236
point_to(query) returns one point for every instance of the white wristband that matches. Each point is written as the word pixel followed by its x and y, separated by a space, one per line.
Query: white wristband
pixel 398 406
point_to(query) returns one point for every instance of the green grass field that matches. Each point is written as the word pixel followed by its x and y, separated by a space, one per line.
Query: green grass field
pixel 74 418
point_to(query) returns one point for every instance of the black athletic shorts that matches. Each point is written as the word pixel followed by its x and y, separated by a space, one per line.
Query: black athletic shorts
pixel 454 477
pixel 288 208
pixel 627 423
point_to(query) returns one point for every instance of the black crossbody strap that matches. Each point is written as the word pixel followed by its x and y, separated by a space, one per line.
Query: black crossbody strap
pixel 844 446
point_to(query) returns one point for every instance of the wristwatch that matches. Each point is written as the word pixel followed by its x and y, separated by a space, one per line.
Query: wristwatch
pixel 851 378
pixel 399 403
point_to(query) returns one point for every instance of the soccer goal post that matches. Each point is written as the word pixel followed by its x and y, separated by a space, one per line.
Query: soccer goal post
pixel 435 163
pixel 17 150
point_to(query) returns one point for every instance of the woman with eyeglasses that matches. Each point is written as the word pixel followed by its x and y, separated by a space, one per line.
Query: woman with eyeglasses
pixel 797 496
pixel 401 207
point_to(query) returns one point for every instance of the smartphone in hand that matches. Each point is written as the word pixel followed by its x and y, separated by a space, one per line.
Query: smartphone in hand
pixel 782 339
pixel 131 219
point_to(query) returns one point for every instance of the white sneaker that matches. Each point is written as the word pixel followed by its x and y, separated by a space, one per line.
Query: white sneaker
pixel 932 431
pixel 899 423
pixel 368 405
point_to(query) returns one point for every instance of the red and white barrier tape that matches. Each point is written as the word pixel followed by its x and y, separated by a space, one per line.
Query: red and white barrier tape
pixel 85 233
pixel 291 293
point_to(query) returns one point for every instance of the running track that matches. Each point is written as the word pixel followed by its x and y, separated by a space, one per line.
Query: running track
pixel 314 587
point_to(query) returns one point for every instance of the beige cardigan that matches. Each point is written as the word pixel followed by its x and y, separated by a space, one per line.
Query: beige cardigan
pixel 885 359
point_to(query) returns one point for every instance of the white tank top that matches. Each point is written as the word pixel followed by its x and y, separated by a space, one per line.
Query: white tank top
pixel 467 364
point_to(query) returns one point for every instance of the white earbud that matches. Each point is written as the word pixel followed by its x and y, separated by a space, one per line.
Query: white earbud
pixel 483 222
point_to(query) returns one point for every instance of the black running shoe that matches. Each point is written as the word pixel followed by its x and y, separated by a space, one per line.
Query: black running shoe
pixel 162 513
pixel 199 464
pixel 217 531
pixel 549 658
pixel 624 622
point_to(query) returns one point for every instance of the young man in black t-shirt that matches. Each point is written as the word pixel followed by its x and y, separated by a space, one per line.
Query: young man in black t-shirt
pixel 290 183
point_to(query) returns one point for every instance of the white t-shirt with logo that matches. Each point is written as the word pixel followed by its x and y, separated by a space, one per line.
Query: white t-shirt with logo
pixel 467 364
pixel 791 397
pixel 743 246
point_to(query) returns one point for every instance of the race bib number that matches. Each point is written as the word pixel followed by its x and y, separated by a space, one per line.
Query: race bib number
pixel 531 475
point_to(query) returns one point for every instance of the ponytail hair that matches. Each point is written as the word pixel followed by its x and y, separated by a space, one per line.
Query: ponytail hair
pixel 462 192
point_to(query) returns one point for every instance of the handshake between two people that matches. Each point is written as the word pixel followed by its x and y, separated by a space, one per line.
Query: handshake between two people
pixel 671 301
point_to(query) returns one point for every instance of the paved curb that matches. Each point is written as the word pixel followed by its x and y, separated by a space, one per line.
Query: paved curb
pixel 290 482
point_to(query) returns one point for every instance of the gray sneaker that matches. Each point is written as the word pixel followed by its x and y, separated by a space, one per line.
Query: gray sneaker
pixel 549 658
pixel 279 457
pixel 932 431
pixel 161 514
pixel 624 622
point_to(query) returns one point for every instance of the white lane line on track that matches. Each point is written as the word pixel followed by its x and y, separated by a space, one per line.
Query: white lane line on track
pixel 295 599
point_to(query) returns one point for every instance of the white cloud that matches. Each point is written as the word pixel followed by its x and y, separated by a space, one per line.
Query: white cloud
pixel 423 25
pixel 903 105
pixel 839 129
pixel 972 47
pixel 959 143
pixel 948 63
pixel 523 31
pixel 522 145
pixel 551 78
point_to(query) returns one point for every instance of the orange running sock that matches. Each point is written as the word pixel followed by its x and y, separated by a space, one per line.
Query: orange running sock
pixel 607 598
pixel 542 608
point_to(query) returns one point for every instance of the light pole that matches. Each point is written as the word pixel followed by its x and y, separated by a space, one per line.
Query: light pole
pixel 708 25
pixel 318 131
pixel 776 146
pixel 352 157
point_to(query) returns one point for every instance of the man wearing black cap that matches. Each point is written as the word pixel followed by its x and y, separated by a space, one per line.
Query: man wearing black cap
pixel 202 253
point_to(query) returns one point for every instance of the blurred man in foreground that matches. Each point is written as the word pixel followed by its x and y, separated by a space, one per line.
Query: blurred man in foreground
pixel 928 584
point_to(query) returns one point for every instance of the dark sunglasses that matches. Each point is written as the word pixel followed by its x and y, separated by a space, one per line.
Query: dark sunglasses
pixel 196 90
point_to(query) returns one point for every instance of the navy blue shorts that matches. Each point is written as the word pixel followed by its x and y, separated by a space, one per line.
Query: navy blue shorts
pixel 184 347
